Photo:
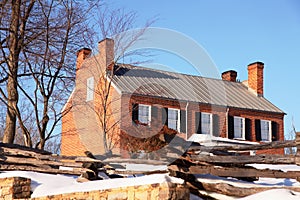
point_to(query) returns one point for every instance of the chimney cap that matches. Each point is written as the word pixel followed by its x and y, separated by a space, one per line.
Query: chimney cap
pixel 230 71
pixel 106 39
pixel 88 50
pixel 229 75
pixel 257 62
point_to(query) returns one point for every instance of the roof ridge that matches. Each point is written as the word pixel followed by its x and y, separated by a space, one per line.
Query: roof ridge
pixel 179 73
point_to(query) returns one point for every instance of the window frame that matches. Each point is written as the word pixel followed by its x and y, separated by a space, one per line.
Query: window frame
pixel 210 125
pixel 149 114
pixel 90 86
pixel 243 120
pixel 178 118
pixel 269 131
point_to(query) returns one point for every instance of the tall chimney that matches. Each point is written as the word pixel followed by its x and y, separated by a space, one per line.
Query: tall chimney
pixel 256 78
pixel 106 50
pixel 82 54
pixel 229 76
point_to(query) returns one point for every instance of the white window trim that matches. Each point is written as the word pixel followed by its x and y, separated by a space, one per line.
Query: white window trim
pixel 90 88
pixel 149 111
pixel 270 130
pixel 244 128
pixel 178 117
pixel 211 122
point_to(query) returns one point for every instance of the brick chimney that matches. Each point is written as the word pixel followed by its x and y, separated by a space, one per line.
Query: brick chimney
pixel 229 76
pixel 256 78
pixel 106 50
pixel 82 54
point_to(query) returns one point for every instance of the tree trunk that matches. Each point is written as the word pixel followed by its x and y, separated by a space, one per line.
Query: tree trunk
pixel 12 90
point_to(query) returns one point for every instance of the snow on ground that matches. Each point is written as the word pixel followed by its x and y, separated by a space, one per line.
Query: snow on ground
pixel 48 184
pixel 276 194
pixel 262 182
pixel 145 167
pixel 209 140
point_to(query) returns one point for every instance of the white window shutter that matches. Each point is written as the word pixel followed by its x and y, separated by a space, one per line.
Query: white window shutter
pixel 90 89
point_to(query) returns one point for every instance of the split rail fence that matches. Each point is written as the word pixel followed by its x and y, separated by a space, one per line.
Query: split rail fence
pixel 223 161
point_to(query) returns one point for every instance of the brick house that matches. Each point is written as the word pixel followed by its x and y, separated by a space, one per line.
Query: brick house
pixel 140 97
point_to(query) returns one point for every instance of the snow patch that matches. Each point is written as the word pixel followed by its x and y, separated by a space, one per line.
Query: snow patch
pixel 48 184
pixel 274 194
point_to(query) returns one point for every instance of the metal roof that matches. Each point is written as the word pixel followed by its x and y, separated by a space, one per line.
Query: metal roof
pixel 150 82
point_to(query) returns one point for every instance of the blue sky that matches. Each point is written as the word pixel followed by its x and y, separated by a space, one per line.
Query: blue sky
pixel 236 33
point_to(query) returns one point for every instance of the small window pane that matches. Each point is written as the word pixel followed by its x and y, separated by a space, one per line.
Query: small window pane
pixel 173 116
pixel 239 127
pixel 206 123
pixel 265 130
pixel 144 114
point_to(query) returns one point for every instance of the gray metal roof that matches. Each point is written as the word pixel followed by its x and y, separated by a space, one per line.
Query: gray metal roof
pixel 144 81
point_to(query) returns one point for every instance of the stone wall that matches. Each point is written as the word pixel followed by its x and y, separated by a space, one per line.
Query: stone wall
pixel 14 188
pixel 19 188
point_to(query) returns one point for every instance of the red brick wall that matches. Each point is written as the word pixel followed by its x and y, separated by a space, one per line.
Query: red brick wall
pixel 96 65
pixel 229 76
pixel 81 127
pixel 70 141
pixel 128 100
pixel 126 119
pixel 256 77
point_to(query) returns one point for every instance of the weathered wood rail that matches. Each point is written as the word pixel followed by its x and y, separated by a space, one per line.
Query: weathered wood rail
pixel 16 157
pixel 271 145
pixel 198 161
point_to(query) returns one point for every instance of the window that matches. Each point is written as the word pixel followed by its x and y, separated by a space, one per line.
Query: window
pixel 174 119
pixel 144 114
pixel 90 89
pixel 265 130
pixel 206 123
pixel 239 127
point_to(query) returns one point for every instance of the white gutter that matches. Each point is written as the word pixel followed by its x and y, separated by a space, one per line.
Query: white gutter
pixel 227 111
pixel 186 121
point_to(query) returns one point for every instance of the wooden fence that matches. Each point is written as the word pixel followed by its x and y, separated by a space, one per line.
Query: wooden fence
pixel 197 160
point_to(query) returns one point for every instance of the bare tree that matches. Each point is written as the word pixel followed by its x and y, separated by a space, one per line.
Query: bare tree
pixel 38 41
pixel 51 66
pixel 291 136
pixel 14 17
pixel 115 24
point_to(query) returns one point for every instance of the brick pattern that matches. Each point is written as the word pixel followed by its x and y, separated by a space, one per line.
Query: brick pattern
pixel 229 76
pixel 256 77
pixel 271 151
pixel 195 107
pixel 81 130
pixel 70 141
pixel 128 100
pixel 74 143
pixel 82 54
pixel 14 188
